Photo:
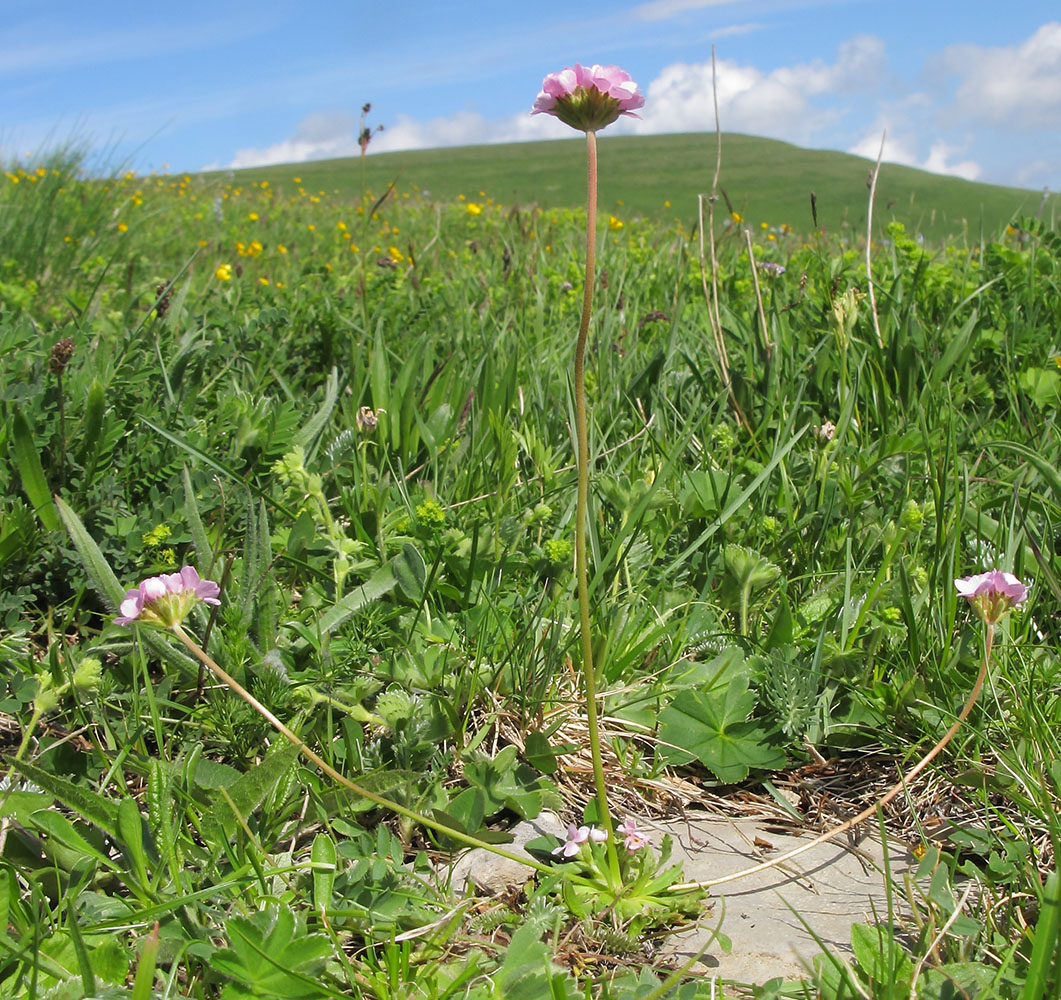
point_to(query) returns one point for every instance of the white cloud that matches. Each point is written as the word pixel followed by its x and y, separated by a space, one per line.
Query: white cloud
pixel 1015 86
pixel 734 30
pixel 663 10
pixel 320 136
pixel 860 63
pixel 466 128
pixel 937 162
pixel 327 135
pixel 778 104
pixel 901 148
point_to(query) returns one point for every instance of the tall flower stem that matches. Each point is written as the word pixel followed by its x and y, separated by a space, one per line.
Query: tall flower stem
pixel 582 499
pixel 315 758
pixel 898 787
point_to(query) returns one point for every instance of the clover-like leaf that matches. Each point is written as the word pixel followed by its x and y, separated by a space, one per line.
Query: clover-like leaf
pixel 714 728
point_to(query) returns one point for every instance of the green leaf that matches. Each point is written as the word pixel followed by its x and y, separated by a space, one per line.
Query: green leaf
pixel 713 728
pixel 252 788
pixel 273 955
pixel 34 483
pixel 781 628
pixel 323 857
pixel 310 431
pixel 410 571
pixel 381 582
pixel 145 968
pixel 1047 940
pixel 539 752
pixel 95 563
pixel 82 800
pixel 131 831
pixel 200 541
pixel 879 955
pixel 60 830
pixel 212 774
pixel 528 972
pixel 91 428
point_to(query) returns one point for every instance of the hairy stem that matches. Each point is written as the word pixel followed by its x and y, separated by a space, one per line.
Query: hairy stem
pixel 581 502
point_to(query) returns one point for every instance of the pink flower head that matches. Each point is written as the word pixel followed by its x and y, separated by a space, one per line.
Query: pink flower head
pixel 992 594
pixel 166 600
pixel 576 837
pixel 588 97
pixel 634 838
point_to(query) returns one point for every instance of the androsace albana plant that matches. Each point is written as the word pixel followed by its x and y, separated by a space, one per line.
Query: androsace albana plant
pixel 588 98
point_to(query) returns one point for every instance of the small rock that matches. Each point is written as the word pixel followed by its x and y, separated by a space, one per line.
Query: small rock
pixel 490 872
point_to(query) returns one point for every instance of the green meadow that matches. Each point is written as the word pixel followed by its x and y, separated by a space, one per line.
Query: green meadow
pixel 342 392
pixel 764 180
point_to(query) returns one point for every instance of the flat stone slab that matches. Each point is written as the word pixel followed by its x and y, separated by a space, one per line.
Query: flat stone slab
pixel 831 886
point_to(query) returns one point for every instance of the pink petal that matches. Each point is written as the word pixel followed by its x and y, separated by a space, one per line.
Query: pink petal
pixel 153 588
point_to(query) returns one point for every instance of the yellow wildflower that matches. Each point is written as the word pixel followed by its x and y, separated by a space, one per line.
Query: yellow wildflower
pixel 473 208
pixel 122 227
pixel 263 281
pixel 280 248
pixel 395 254
pixel 614 223
pixel 341 226
pixel 223 272
pixel 253 216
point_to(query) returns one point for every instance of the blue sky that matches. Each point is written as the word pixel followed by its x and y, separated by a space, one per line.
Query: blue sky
pixel 969 88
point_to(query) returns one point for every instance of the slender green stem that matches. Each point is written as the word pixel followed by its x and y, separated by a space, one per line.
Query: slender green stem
pixel 581 502
pixel 310 755
pixel 27 735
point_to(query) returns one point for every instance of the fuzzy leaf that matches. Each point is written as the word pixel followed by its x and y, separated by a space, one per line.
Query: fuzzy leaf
pixel 34 483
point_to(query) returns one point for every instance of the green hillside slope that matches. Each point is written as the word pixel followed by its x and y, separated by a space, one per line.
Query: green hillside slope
pixel 766 181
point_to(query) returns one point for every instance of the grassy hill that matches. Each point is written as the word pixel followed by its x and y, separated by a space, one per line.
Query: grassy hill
pixel 763 179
